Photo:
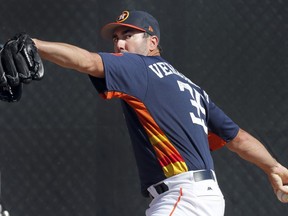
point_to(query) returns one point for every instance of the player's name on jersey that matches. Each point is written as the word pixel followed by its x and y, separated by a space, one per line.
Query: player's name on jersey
pixel 163 69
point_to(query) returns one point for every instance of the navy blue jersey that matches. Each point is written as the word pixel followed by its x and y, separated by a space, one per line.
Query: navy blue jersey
pixel 168 116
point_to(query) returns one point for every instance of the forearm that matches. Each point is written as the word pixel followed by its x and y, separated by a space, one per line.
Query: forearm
pixel 71 57
pixel 250 149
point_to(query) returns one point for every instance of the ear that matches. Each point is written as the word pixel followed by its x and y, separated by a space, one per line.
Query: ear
pixel 153 42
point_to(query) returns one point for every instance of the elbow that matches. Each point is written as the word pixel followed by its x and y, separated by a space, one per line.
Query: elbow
pixel 92 65
pixel 241 138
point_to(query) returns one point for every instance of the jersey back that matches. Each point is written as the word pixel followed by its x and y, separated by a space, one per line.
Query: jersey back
pixel 168 116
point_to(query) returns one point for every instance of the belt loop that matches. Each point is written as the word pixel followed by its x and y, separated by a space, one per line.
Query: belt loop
pixel 152 191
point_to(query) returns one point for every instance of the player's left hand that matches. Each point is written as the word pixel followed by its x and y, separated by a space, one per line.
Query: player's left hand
pixel 20 63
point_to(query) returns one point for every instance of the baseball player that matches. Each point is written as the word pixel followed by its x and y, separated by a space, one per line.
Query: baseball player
pixel 169 118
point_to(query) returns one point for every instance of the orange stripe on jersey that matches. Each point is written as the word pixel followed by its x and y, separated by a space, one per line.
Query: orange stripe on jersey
pixel 109 95
pixel 169 158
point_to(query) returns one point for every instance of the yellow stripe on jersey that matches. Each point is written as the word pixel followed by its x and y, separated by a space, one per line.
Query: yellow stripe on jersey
pixel 174 168
pixel 171 161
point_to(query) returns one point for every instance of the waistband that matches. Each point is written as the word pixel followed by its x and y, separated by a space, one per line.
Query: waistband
pixel 192 176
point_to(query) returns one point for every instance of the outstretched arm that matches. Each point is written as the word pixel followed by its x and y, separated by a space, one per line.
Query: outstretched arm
pixel 70 56
pixel 252 150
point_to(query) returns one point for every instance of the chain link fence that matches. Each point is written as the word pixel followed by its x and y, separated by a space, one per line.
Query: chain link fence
pixel 65 151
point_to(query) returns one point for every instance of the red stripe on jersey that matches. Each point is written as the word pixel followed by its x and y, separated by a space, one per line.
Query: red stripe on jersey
pixel 215 142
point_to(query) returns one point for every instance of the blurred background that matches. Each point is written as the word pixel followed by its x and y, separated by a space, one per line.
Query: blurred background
pixel 65 151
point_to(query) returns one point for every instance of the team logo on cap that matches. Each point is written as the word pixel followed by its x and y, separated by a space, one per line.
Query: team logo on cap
pixel 150 29
pixel 123 16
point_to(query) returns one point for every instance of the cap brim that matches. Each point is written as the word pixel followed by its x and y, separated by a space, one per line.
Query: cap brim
pixel 108 30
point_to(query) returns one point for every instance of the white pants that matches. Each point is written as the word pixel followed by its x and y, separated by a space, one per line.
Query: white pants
pixel 186 197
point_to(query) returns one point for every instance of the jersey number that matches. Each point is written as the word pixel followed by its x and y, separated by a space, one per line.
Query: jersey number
pixel 196 102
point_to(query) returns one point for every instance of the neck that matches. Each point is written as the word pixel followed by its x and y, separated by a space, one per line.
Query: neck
pixel 155 52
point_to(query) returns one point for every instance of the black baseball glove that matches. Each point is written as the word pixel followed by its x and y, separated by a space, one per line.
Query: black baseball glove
pixel 20 63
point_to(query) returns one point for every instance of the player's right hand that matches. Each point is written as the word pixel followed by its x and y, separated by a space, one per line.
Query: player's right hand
pixel 3 212
pixel 278 177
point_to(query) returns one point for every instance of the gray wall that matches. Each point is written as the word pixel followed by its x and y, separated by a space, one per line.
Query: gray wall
pixel 65 151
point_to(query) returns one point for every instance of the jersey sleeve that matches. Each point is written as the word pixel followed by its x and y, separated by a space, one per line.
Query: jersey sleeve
pixel 125 74
pixel 220 124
